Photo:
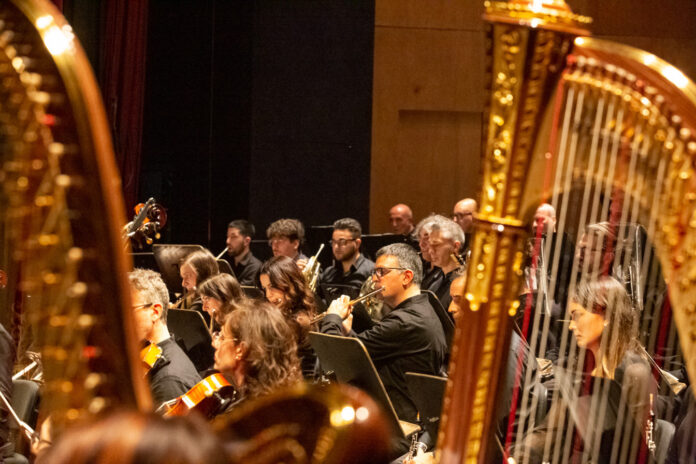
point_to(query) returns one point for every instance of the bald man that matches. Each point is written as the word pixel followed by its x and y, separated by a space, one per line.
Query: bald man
pixel 545 219
pixel 401 219
pixel 463 214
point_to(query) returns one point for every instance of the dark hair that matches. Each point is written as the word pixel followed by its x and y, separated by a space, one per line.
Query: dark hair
pixel 269 347
pixel 244 227
pixel 349 224
pixel 290 228
pixel 204 263
pixel 137 438
pixel 407 256
pixel 608 297
pixel 225 288
pixel 286 276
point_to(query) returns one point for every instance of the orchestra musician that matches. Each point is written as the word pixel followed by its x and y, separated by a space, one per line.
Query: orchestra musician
pixel 173 373
pixel 194 269
pixel 432 275
pixel 286 289
pixel 445 241
pixel 401 219
pixel 350 269
pixel 409 338
pixel 605 324
pixel 244 264
pixel 285 237
pixel 463 215
pixel 7 355
pixel 256 350
pixel 220 294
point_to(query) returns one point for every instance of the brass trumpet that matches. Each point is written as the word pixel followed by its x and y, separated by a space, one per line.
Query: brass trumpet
pixel 312 269
pixel 350 303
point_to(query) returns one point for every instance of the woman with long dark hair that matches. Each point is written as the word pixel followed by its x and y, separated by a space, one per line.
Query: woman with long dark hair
pixel 285 288
pixel 220 294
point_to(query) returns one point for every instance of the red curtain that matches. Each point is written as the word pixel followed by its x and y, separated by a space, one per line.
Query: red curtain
pixel 123 85
pixel 59 4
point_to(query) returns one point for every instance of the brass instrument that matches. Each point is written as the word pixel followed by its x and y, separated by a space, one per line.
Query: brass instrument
pixel 373 305
pixel 320 317
pixel 312 270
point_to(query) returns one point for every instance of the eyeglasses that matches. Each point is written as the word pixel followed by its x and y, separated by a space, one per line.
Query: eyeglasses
pixel 380 272
pixel 142 306
pixel 341 242
pixel 219 337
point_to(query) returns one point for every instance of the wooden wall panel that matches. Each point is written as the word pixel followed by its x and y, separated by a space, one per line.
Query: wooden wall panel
pixel 428 95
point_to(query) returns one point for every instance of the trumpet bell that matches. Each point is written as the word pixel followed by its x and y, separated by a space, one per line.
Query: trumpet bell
pixel 373 305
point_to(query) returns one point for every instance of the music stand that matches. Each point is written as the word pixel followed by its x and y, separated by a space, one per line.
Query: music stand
pixel 350 361
pixel 371 243
pixel 443 315
pixel 224 267
pixel 189 327
pixel 427 391
pixel 168 258
pixel 254 293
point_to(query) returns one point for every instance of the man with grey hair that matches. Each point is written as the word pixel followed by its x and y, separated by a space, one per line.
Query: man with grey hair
pixel 171 374
pixel 432 275
pixel 445 242
pixel 409 338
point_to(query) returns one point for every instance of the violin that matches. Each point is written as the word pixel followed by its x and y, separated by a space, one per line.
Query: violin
pixel 208 397
pixel 150 355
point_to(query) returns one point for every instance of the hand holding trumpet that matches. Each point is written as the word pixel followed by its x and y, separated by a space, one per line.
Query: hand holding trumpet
pixel 343 307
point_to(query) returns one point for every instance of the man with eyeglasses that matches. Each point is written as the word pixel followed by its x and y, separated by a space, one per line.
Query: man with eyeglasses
pixel 172 374
pixel 409 338
pixel 350 269
pixel 463 215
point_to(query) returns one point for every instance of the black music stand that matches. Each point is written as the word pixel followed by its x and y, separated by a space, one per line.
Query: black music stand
pixel 443 315
pixel 168 258
pixel 371 243
pixel 254 293
pixel 427 392
pixel 224 267
pixel 351 363
pixel 189 330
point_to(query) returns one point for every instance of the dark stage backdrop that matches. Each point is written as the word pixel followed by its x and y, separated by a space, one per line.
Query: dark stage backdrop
pixel 257 110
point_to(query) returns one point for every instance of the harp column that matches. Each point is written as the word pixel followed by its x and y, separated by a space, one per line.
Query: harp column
pixel 528 44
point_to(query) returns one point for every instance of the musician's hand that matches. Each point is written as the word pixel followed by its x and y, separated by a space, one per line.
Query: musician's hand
pixel 348 324
pixel 301 263
pixel 425 458
pixel 340 307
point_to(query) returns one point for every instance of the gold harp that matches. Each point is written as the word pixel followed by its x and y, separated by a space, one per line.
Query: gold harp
pixel 604 133
pixel 61 211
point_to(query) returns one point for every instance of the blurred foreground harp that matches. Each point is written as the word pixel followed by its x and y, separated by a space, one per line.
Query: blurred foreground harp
pixel 61 212
pixel 566 111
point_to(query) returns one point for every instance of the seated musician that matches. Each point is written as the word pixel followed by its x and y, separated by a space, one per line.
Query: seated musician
pixel 137 438
pixel 445 241
pixel 256 350
pixel 614 399
pixel 173 373
pixel 7 355
pixel 463 214
pixel 194 269
pixel 350 269
pixel 401 220
pixel 221 294
pixel 432 275
pixel 285 237
pixel 244 264
pixel 409 338
pixel 286 289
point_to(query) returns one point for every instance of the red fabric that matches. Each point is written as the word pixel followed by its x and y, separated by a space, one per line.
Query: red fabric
pixel 123 86
pixel 58 3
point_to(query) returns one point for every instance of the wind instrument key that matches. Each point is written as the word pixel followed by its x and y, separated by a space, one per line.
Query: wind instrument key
pixel 350 303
